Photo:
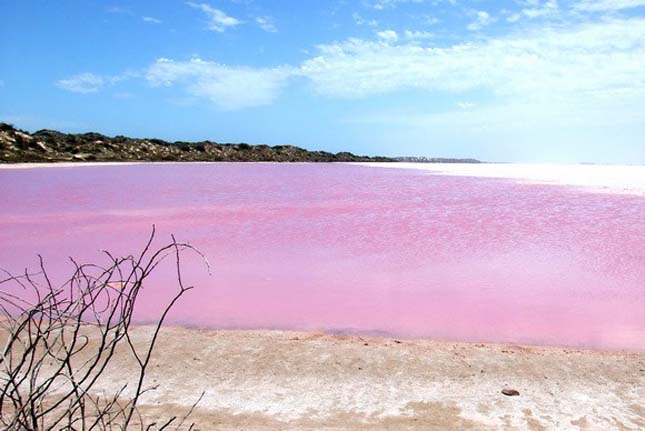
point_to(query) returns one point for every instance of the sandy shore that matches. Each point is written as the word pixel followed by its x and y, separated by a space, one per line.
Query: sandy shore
pixel 75 164
pixel 275 380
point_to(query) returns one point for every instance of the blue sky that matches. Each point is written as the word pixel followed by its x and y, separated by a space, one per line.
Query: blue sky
pixel 514 80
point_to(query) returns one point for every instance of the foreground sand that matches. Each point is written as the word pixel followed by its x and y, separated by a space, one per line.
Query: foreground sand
pixel 275 380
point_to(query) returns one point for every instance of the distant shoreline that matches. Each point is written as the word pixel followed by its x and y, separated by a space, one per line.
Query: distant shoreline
pixel 613 179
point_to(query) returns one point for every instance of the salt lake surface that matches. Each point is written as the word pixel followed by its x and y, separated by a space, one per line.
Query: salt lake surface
pixel 353 248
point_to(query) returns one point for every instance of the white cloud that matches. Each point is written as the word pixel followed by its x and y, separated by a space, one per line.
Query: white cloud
pixel 228 87
pixel 532 9
pixel 218 20
pixel 583 63
pixel 607 5
pixel 418 35
pixel 482 19
pixel 388 35
pixel 577 67
pixel 266 24
pixel 82 83
pixel 151 19
pixel 537 9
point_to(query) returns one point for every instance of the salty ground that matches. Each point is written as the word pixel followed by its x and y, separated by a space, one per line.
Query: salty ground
pixel 627 179
pixel 281 380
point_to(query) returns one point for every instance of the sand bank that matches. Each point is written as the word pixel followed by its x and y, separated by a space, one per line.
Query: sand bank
pixel 72 164
pixel 275 380
pixel 628 179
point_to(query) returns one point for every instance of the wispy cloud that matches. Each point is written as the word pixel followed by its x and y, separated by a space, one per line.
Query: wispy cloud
pixel 266 23
pixel 151 20
pixel 581 63
pixel 538 9
pixel 418 35
pixel 482 19
pixel 228 87
pixel 82 83
pixel 386 4
pixel 87 82
pixel 359 20
pixel 607 5
pixel 466 106
pixel 532 9
pixel 119 10
pixel 388 35
pixel 431 20
pixel 218 20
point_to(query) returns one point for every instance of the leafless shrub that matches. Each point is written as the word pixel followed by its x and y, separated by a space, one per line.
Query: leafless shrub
pixel 60 340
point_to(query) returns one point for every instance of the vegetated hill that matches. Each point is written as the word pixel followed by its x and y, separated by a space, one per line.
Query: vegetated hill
pixel 414 159
pixel 51 146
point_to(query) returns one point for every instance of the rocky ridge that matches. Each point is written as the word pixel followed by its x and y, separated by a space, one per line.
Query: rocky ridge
pixel 19 146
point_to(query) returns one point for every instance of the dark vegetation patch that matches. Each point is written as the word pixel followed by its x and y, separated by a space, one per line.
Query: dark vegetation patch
pixel 19 146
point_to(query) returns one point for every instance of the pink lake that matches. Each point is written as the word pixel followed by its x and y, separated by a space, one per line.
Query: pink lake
pixel 349 248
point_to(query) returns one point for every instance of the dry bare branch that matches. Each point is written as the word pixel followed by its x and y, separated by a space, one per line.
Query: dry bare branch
pixel 60 340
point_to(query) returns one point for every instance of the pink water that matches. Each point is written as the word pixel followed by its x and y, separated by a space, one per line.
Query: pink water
pixel 351 248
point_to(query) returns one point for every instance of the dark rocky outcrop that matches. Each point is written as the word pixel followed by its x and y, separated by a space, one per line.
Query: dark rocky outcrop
pixel 52 146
